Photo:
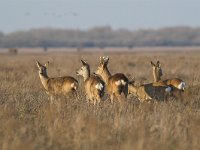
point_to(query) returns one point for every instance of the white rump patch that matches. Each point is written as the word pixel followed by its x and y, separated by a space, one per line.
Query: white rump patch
pixel 120 82
pixel 99 86
pixel 73 85
pixel 168 89
pixel 181 86
pixel 123 82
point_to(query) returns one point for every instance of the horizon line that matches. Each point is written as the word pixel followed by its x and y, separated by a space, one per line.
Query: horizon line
pixel 100 26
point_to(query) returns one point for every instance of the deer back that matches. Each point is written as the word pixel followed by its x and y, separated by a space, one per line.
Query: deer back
pixel 174 82
pixel 148 91
pixel 61 85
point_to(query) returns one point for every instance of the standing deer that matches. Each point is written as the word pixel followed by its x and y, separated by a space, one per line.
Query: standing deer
pixel 178 86
pixel 94 86
pixel 116 84
pixel 58 85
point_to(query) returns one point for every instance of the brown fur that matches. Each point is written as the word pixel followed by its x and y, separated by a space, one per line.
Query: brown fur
pixel 116 84
pixel 61 85
pixel 94 93
pixel 173 83
pixel 177 93
pixel 58 85
pixel 147 91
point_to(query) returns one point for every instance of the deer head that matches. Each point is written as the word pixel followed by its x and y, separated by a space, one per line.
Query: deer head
pixel 102 65
pixel 157 70
pixel 84 70
pixel 42 68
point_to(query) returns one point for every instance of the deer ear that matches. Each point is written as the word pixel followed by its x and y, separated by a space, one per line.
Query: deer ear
pixel 83 62
pixel 101 60
pixel 152 64
pixel 158 63
pixel 38 64
pixel 105 59
pixel 47 64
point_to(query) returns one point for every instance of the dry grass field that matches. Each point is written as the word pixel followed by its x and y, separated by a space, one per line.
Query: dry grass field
pixel 28 122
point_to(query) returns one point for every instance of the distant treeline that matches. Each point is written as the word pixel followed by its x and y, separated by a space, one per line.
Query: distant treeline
pixel 101 37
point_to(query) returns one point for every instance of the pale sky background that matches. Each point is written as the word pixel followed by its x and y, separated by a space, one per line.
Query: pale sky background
pixel 84 14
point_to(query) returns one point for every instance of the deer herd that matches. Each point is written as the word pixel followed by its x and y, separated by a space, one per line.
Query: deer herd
pixel 118 86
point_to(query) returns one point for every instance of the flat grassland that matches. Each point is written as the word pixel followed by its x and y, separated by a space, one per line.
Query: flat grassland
pixel 28 122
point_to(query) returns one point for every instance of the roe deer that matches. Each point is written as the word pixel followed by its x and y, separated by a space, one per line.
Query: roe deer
pixel 148 91
pixel 58 85
pixel 94 86
pixel 116 84
pixel 177 85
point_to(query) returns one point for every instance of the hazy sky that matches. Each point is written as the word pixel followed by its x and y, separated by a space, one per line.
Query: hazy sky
pixel 84 14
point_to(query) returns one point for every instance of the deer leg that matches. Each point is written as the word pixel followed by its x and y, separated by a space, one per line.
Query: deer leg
pixel 98 99
pixel 180 95
pixel 169 94
pixel 88 99
pixel 58 104
pixel 119 97
pixel 75 94
pixel 165 96
pixel 51 100
pixel 125 91
pixel 94 101
pixel 112 98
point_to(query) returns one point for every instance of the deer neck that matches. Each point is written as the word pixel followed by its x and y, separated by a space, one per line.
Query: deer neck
pixel 44 78
pixel 156 77
pixel 86 75
pixel 105 75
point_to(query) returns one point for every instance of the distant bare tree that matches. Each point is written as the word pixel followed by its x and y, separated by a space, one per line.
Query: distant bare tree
pixel 13 51
pixel 45 49
pixel 102 37
pixel 79 48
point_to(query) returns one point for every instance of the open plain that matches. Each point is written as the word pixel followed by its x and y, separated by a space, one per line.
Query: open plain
pixel 28 122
